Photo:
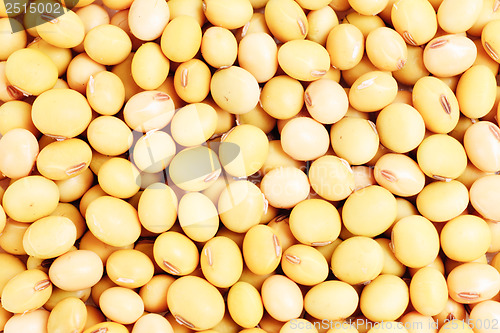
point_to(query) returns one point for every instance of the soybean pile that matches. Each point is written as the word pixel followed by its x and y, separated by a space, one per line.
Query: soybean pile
pixel 250 166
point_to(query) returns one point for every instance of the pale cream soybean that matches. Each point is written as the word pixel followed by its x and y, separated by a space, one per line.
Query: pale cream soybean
pixel 326 101
pixel 484 136
pixel 26 291
pixel 113 221
pixel 229 14
pixel 473 282
pixel 476 91
pixel 76 270
pixel 400 127
pixel 245 304
pixel 372 219
pixel 367 265
pixel 70 314
pixel 399 174
pixel 321 21
pixel 441 157
pixel 332 300
pixel 443 200
pixel 482 194
pixel 304 139
pixel 49 237
pixel 181 39
pixel 18 151
pixel 258 54
pixel 24 64
pixel 284 187
pixel 62 160
pixel 415 20
pixel 261 249
pixel 195 303
pixel 241 205
pixel 153 152
pixel 354 139
pixel 436 103
pixel 490 40
pixel 286 20
pixel 107 44
pixel 149 66
pixel 331 177
pixel 72 112
pixel 458 16
pixel 235 90
pixel 449 55
pixel 221 262
pixel 30 198
pixel 129 268
pixel 325 226
pixel 385 298
pixel 373 91
pixel 395 51
pixel 345 44
pixel 200 224
pixel 282 97
pixel 147 19
pixel 303 60
pixel 304 265
pixel 121 305
pixel 428 291
pixel 413 235
pixel 282 298
pixel 192 81
pixel 170 259
pixel 219 47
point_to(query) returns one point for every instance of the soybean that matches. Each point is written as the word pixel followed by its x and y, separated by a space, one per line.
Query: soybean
pixel 482 192
pixel 373 91
pixel 170 259
pixel 235 90
pixel 332 300
pixel 345 44
pixel 258 54
pixel 395 51
pixel 201 224
pixel 221 262
pixel 465 231
pixel 449 55
pixel 473 282
pixel 428 281
pixel 367 265
pixel 486 135
pixel 286 20
pixel 284 187
pixel 385 298
pixel 107 44
pixel 372 219
pixel 400 127
pixel 407 17
pixel 282 298
pixel 202 307
pixel 261 250
pixel 24 64
pixel 441 201
pixel 26 291
pixel 70 314
pixel 304 139
pixel 303 60
pixel 241 206
pixel 412 235
pixel 147 19
pixel 245 304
